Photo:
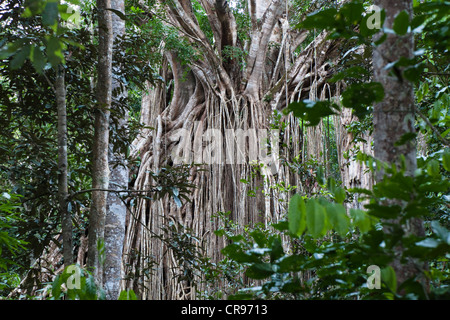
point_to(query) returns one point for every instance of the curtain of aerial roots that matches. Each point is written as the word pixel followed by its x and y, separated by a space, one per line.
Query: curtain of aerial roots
pixel 202 112
pixel 354 174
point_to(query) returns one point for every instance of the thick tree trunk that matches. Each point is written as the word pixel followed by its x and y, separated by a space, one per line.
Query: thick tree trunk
pixel 209 120
pixel 116 209
pixel 66 217
pixel 100 171
pixel 394 117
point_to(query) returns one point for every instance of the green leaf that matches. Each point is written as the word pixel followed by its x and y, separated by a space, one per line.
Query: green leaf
pixel 423 91
pixel 259 237
pixel 446 161
pixel 428 243
pixel 54 51
pixel 234 251
pixel 389 277
pixel 259 271
pixel 276 250
pixel 50 13
pixel 320 176
pixel 127 295
pixel 410 136
pixel 101 250
pixel 433 168
pixel 27 13
pixel 445 133
pixel 19 59
pixel 120 14
pixel 101 295
pixel 38 59
pixel 381 39
pixel 359 96
pixel 12 48
pixel 339 195
pixel 315 218
pixel 281 226
pixel 56 287
pixel 352 12
pixel 401 23
pixel 414 72
pixel 297 215
pixel 361 220
pixel 413 288
pixel 292 263
pixel 72 294
pixel 312 111
pixel 338 218
pixel 325 19
pixel 440 231
pixel 91 288
pixel 361 190
pixel 331 185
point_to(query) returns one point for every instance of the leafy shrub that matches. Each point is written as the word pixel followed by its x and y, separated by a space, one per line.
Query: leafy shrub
pixel 76 283
pixel 332 251
pixel 336 246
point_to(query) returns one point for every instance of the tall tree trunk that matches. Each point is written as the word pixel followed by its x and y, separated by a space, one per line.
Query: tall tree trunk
pixel 100 171
pixel 394 117
pixel 66 218
pixel 116 208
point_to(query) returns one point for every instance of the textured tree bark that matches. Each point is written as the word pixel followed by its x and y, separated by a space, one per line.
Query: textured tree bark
pixel 258 49
pixel 210 99
pixel 66 217
pixel 394 117
pixel 116 209
pixel 100 168
pixel 354 174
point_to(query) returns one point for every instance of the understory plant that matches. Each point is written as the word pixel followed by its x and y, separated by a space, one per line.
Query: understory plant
pixel 340 253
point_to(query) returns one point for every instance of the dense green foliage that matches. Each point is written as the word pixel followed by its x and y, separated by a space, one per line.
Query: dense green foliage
pixel 322 250
pixel 37 36
pixel 335 247
pixel 10 243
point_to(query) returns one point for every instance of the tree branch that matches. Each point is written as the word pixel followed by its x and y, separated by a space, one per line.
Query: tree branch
pixel 433 128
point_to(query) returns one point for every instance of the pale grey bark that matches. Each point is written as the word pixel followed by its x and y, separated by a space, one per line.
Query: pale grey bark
pixel 394 117
pixel 116 209
pixel 100 170
pixel 66 218
pixel 258 49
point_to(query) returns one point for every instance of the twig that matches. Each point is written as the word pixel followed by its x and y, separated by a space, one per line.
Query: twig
pixel 49 82
pixel 435 130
